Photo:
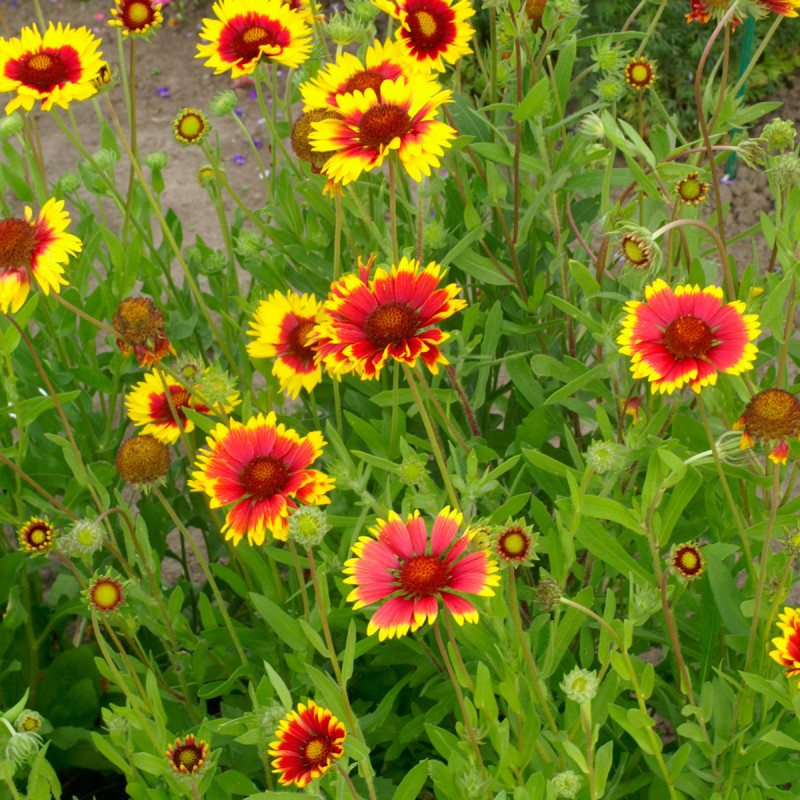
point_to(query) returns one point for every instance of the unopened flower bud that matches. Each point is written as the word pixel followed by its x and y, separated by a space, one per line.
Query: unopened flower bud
pixel 580 685
pixel 779 135
pixel 105 158
pixel 223 103
pixel 591 127
pixel 69 182
pixel 785 171
pixel 28 721
pixel 250 244
pixel 156 160
pixel 547 593
pixel 609 89
pixel 566 784
pixel 603 457
pixel 308 526
pixel 11 125
pixel 412 470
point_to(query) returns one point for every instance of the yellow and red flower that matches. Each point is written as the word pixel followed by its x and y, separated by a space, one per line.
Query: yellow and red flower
pixel 262 468
pixel 389 316
pixel 34 247
pixel 136 17
pixel 282 328
pixel 105 594
pixel 686 336
pixel 148 407
pixel 432 31
pixel 787 652
pixel 55 68
pixel 188 756
pixel 349 74
pixel 36 536
pixel 140 328
pixel 640 73
pixel 772 415
pixel 687 560
pixel 411 571
pixel 309 740
pixel 691 190
pixel 245 31
pixel 703 10
pixel 402 118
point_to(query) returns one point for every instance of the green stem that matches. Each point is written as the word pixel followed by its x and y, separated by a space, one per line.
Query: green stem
pixel 432 437
pixel 351 722
pixel 526 651
pixel 209 576
pixel 301 581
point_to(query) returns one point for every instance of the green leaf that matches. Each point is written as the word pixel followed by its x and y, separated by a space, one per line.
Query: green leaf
pixel 411 784
pixel 608 509
pixel 780 739
pixel 601 544
pixel 535 101
pixel 279 686
pixel 287 628
pixel 349 655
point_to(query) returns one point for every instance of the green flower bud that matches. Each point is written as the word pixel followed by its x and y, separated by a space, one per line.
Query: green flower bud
pixel 547 593
pixel 223 103
pixel 412 470
pixel 250 244
pixel 609 89
pixel 605 457
pixel 609 58
pixel 580 685
pixel 779 135
pixel 105 158
pixel 785 171
pixel 190 368
pixel 83 539
pixel 342 29
pixel 156 160
pixel 308 526
pixel 22 747
pixel 69 182
pixel 566 784
pixel 216 387
pixel 11 125
pixel 215 263
pixel 28 721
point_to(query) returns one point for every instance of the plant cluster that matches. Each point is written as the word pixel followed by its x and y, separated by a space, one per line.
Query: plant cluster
pixel 471 442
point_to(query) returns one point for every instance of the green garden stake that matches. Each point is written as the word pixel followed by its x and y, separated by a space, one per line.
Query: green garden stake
pixel 744 60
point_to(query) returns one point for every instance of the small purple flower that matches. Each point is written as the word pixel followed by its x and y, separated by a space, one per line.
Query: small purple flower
pixel 252 94
pixel 162 91
pixel 239 159
pixel 239 112
pixel 727 180
pixel 258 144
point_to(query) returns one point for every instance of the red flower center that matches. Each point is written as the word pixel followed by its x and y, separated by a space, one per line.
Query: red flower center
pixel 772 414
pixel 188 757
pixel 298 340
pixel 383 123
pixel 362 81
pixel 17 243
pixel 247 44
pixel 106 594
pixel 391 323
pixel 513 544
pixel 43 71
pixel 688 337
pixel 426 32
pixel 316 751
pixel 423 576
pixel 688 561
pixel 137 15
pixel 264 476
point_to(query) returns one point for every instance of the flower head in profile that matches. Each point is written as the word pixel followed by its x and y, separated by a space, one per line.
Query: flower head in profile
pixel 409 571
pixel 35 248
pixel 36 536
pixel 309 740
pixel 246 31
pixel 640 73
pixel 301 144
pixel 400 116
pixel 686 336
pixel 282 328
pixel 787 647
pixel 390 315
pixel 149 408
pixel 262 469
pixel 187 757
pixel 56 68
pixel 136 17
pixel 432 31
pixel 350 74
pixel 636 250
pixel 687 560
pixel 773 416
pixel 140 330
